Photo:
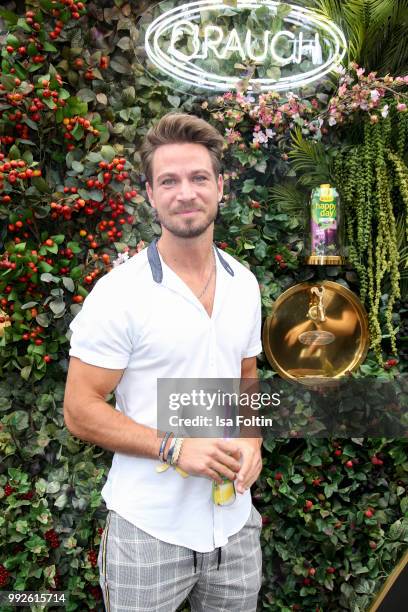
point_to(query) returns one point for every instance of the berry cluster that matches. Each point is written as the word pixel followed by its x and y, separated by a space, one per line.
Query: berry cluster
pixel 95 591
pixel 4 576
pixel 92 557
pixel 12 170
pixel 76 128
pixel 8 490
pixel 76 8
pixel 52 537
pixel 280 261
pixel 29 495
pixel 390 363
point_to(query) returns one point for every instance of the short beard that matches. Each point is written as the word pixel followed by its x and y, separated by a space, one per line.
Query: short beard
pixel 186 232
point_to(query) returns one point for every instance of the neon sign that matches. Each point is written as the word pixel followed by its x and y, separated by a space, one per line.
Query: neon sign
pixel 200 44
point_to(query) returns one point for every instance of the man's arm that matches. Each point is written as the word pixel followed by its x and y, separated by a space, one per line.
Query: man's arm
pixel 88 416
pixel 250 448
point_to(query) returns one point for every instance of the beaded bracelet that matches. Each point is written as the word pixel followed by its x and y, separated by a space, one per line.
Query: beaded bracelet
pixel 163 445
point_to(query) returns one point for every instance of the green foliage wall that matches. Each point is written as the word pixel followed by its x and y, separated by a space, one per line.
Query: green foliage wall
pixel 74 106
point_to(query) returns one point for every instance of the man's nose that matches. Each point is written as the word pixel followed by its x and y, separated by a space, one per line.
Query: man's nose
pixel 186 190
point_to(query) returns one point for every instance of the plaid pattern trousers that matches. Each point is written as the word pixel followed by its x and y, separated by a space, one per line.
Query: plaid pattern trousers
pixel 139 573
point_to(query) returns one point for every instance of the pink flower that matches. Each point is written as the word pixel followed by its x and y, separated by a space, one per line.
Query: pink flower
pixel 401 107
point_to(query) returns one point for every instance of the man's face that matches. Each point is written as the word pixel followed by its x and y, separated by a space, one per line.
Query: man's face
pixel 185 192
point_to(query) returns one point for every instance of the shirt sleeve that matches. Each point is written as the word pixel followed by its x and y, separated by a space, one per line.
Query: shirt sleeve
pixel 101 334
pixel 255 345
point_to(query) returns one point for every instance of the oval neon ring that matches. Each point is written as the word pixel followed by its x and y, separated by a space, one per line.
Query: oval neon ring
pixel 180 20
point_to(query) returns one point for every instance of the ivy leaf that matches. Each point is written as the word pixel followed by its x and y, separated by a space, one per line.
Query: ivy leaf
pixel 19 420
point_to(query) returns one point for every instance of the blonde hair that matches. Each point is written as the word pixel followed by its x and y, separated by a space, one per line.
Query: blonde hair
pixel 176 128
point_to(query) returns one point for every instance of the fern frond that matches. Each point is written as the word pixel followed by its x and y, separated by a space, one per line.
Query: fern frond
pixel 288 198
pixel 310 160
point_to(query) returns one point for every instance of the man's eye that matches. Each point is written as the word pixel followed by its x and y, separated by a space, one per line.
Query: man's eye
pixel 168 181
pixel 200 178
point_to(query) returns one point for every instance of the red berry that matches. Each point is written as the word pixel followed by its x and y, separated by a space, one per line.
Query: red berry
pixel 8 490
pixel 368 513
pixel 349 464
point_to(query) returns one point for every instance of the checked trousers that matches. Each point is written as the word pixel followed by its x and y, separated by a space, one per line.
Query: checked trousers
pixel 139 573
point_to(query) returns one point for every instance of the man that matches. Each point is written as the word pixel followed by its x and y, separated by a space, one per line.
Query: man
pixel 178 309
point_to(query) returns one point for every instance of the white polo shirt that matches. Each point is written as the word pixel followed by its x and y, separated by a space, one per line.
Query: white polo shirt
pixel 141 317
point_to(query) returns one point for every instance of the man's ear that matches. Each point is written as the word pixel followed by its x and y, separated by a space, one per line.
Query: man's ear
pixel 220 185
pixel 149 191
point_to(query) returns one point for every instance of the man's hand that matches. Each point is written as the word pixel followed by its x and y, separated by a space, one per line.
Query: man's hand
pixel 250 451
pixel 210 457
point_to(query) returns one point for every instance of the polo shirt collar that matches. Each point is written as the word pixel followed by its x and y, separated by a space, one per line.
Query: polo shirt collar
pixel 156 267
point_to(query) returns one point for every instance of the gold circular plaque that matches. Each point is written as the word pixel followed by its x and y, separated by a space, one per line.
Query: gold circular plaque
pixel 316 331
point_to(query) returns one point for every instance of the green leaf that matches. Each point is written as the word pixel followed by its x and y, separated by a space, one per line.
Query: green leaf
pixel 58 238
pixel 28 305
pixel 61 501
pixel 76 272
pixel 40 184
pixel 248 186
pixel 25 372
pixel 10 17
pixel 46 277
pixel 86 94
pixel 78 131
pixel 12 40
pixel 57 307
pixel 19 420
pixel 14 152
pixel 50 47
pixel 121 65
pixel 43 319
pixel 68 283
pixel 77 166
pixel 108 152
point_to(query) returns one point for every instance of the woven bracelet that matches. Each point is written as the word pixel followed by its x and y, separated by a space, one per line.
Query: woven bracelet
pixel 177 450
pixel 171 451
